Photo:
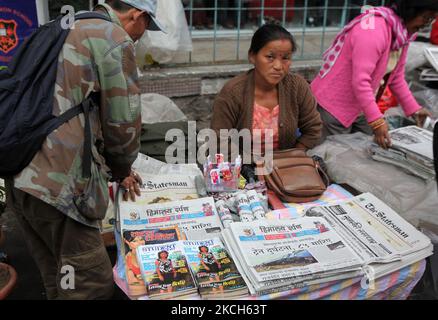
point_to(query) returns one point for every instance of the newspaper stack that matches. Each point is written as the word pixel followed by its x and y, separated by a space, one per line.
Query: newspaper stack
pixel 411 149
pixel 381 238
pixel 275 256
pixel 358 236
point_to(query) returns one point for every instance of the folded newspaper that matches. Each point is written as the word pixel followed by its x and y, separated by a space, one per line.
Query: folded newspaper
pixel 331 242
pixel 411 150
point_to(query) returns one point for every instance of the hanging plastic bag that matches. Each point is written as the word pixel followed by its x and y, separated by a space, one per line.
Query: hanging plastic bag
pixel 162 47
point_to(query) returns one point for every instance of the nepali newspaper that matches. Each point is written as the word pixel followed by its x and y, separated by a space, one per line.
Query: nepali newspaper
pixel 287 249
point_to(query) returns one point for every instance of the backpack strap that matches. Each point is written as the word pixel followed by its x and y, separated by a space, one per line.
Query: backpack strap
pixel 85 107
pixel 86 163
pixel 92 15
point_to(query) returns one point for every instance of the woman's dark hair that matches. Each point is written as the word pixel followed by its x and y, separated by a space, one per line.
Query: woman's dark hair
pixel 410 9
pixel 163 251
pixel 270 32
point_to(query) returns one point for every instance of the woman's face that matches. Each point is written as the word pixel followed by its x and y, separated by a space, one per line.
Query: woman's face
pixel 421 21
pixel 204 249
pixel 273 61
pixel 163 255
pixel 134 244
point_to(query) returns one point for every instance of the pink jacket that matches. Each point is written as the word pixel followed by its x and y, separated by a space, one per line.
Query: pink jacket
pixel 350 87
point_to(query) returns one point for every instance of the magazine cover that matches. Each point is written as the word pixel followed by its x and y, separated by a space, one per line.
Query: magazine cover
pixel 211 265
pixel 165 271
pixel 132 240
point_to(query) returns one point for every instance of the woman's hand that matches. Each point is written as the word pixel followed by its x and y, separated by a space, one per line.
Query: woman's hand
pixel 420 116
pixel 131 186
pixel 382 137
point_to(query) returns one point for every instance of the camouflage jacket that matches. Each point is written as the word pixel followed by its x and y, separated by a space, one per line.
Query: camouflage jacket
pixel 98 56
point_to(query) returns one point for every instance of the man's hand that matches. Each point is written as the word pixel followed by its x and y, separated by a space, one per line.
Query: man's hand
pixel 420 116
pixel 131 186
pixel 382 137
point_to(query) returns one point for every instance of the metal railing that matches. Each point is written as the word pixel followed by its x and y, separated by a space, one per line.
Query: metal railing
pixel 221 30
pixel 314 23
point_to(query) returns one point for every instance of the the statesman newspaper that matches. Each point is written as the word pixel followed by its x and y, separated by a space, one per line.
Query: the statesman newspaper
pixel 375 232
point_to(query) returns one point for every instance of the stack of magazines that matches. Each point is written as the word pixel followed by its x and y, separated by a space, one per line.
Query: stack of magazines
pixel 179 269
pixel 195 219
pixel 358 236
pixel 411 150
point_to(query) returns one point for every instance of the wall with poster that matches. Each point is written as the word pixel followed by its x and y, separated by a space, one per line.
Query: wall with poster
pixel 18 19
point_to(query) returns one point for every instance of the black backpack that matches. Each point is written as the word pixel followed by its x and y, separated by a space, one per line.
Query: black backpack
pixel 26 99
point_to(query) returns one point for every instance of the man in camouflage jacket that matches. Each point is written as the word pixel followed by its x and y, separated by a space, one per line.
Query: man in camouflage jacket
pixel 58 209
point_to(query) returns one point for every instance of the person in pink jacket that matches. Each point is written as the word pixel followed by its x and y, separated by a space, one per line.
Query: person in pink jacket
pixel 370 52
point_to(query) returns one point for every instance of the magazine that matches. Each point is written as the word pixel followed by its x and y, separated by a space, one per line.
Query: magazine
pixel 213 269
pixel 132 239
pixel 165 271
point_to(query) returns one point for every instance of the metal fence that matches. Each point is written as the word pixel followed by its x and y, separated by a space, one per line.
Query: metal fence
pixel 221 30
pixel 230 24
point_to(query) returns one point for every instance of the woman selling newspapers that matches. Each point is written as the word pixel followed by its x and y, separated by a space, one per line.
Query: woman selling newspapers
pixel 370 52
pixel 269 99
